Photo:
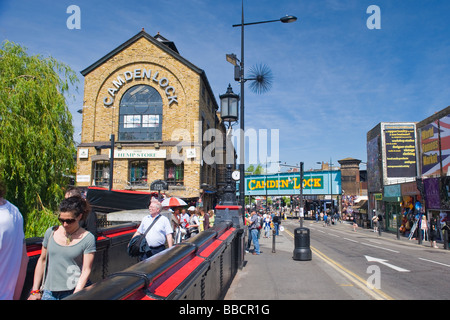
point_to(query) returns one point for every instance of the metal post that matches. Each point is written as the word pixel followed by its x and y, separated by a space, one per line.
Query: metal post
pixel 242 137
pixel 419 230
pixel 301 195
pixel 273 239
pixel 111 163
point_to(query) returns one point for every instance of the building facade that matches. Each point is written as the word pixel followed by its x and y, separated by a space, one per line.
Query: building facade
pixel 157 107
pixel 408 173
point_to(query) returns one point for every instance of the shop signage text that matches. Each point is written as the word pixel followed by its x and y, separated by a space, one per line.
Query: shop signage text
pixel 139 154
pixel 138 74
pixel 284 183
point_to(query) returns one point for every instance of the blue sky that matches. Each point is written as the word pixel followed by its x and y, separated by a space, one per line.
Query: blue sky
pixel 334 78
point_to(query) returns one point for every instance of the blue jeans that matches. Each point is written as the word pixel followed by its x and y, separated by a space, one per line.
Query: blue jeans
pixel 254 233
pixel 55 295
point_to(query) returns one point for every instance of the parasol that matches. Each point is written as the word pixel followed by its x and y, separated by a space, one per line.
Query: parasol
pixel 173 202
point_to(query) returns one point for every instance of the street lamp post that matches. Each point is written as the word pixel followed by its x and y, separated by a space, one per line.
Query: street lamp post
pixel 239 76
pixel 229 113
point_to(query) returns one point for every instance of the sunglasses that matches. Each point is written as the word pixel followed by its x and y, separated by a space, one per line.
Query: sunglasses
pixel 68 221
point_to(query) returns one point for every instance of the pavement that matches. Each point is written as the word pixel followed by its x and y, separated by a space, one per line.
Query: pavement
pixel 277 276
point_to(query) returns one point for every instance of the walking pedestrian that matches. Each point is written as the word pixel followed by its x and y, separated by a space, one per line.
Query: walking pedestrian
pixel 276 223
pixel 424 228
pixel 253 229
pixel 433 232
pixel 159 234
pixel 355 225
pixel 13 251
pixel 67 255
pixel 211 218
pixel 267 228
pixel 325 218
pixel 194 223
pixel 375 223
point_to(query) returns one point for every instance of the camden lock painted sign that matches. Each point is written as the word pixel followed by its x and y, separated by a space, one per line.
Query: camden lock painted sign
pixel 289 183
pixel 138 74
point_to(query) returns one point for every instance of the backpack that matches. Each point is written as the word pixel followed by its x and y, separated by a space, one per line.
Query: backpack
pixel 259 223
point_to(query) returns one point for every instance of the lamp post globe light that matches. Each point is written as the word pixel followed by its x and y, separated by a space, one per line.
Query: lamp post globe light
pixel 239 76
pixel 229 106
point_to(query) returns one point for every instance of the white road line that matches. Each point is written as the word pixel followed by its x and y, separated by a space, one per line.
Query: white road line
pixel 371 245
pixel 442 264
pixel 334 235
pixel 351 240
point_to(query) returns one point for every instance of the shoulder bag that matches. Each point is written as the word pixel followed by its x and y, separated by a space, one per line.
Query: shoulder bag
pixel 137 244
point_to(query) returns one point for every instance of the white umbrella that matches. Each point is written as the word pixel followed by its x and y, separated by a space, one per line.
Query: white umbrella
pixel 173 202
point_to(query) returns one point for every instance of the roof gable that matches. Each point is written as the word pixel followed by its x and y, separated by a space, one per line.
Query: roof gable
pixel 159 41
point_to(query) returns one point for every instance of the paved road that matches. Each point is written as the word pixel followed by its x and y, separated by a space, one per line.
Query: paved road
pixel 345 265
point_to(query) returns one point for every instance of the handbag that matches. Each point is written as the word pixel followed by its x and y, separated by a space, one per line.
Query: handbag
pixel 137 244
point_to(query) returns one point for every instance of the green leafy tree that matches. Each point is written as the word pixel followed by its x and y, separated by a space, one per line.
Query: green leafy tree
pixel 36 133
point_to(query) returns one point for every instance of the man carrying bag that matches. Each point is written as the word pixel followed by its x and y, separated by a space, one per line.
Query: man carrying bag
pixel 152 234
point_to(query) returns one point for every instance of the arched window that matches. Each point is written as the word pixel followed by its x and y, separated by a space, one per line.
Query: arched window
pixel 140 115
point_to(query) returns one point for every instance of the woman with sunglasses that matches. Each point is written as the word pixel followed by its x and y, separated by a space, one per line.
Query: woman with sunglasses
pixel 67 254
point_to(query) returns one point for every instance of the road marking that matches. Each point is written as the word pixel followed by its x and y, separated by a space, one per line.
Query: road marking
pixel 382 261
pixel 376 294
pixel 442 264
pixel 351 240
pixel 334 235
pixel 371 245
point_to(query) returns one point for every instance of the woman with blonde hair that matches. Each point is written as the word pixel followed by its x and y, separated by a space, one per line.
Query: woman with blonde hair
pixel 211 218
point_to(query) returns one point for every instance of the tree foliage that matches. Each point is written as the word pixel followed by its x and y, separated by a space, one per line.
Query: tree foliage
pixel 36 132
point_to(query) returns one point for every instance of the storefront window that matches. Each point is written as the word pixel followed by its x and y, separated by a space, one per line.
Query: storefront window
pixel 138 173
pixel 174 174
pixel 101 173
pixel 140 114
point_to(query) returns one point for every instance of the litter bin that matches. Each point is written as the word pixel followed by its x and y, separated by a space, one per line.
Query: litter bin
pixel 302 250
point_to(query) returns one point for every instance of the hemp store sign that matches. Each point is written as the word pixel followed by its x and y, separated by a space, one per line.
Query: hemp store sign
pixel 138 74
pixel 139 154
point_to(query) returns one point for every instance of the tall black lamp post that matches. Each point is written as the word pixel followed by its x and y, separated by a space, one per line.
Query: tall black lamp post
pixel 261 86
pixel 229 109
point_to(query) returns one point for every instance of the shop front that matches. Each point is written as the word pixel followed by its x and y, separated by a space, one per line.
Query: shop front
pixel 392 200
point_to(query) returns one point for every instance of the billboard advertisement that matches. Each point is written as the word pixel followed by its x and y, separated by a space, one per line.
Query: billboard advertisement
pixel 374 173
pixel 400 144
pixel 435 147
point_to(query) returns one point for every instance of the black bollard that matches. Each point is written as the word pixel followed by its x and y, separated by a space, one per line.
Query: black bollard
pixel 273 240
pixel 302 250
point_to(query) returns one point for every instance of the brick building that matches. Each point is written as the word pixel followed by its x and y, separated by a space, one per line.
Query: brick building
pixel 157 105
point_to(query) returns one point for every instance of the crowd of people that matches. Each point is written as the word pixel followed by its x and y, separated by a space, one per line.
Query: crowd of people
pixel 68 249
pixel 190 222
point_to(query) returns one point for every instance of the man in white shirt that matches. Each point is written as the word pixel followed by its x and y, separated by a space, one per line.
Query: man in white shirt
pixel 13 251
pixel 158 234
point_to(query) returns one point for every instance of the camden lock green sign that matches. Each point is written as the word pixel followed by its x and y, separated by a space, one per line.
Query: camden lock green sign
pixel 314 183
pixel 284 183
